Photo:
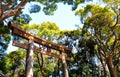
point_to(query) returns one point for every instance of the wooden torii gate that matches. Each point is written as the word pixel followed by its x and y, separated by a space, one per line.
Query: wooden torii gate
pixel 16 30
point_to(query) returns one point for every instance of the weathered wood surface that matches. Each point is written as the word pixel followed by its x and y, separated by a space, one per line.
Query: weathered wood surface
pixel 29 60
pixel 24 34
pixel 64 65
pixel 37 49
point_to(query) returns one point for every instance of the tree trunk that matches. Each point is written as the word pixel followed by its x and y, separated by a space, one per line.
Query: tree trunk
pixel 13 72
pixel 1 12
pixel 104 68
pixel 103 62
pixel 40 64
pixel 111 66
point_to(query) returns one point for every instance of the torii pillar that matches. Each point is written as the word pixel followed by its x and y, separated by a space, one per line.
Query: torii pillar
pixel 29 60
pixel 64 65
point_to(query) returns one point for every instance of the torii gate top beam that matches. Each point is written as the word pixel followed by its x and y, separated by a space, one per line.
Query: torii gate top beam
pixel 24 34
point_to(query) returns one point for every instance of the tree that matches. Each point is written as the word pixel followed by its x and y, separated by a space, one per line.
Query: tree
pixel 103 24
pixel 13 64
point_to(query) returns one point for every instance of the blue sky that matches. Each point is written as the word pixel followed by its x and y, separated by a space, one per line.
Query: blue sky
pixel 63 17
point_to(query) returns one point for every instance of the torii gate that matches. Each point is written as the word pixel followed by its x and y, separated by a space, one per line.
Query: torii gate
pixel 30 48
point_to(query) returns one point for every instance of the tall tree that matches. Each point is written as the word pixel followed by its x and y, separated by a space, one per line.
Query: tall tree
pixel 103 24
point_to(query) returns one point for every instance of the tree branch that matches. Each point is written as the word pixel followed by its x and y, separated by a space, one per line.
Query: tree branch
pixel 116 39
pixel 1 11
pixel 118 59
pixel 100 44
pixel 13 12
pixel 40 63
pixel 117 19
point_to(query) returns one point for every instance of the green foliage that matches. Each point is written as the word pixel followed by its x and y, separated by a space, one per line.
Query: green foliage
pixel 103 25
pixel 4 64
pixel 69 38
pixel 12 62
pixel 84 11
pixel 34 8
pixel 77 2
pixel 93 10
pixel 47 30
pixel 49 63
pixel 82 61
pixel 71 33
pixel 51 5
pixel 111 1
pixel 4 38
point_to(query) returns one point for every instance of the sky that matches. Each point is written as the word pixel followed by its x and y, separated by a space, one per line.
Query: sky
pixel 64 17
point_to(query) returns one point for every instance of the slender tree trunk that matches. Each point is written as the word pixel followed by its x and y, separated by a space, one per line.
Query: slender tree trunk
pixel 111 66
pixel 13 72
pixel 40 64
pixel 1 12
pixel 104 68
pixel 18 73
pixel 103 62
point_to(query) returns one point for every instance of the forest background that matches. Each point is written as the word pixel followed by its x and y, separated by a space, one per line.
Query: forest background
pixel 96 42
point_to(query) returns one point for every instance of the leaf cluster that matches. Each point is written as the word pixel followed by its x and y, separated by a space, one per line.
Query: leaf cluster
pixel 4 37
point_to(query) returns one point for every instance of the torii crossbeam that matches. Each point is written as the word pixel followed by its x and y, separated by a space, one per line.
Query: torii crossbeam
pixel 37 49
pixel 33 38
